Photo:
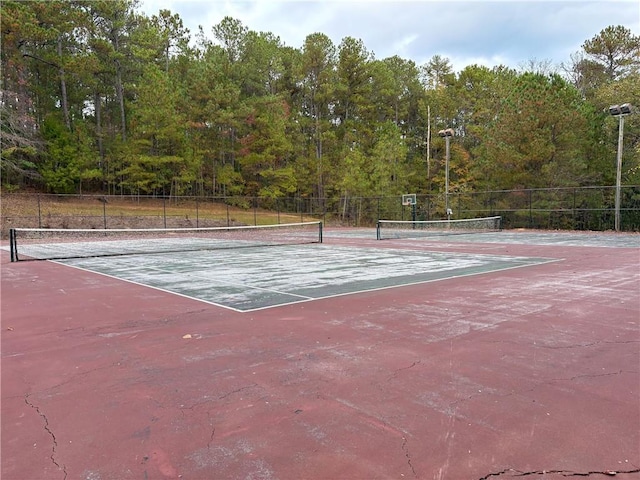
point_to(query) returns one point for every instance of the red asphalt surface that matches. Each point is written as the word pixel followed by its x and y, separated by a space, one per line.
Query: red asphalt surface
pixel 528 372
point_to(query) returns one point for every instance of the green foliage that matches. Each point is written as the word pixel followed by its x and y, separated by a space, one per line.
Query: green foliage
pixel 62 168
pixel 231 181
pixel 17 163
pixel 542 137
pixel 279 182
pixel 615 50
pixel 266 148
pixel 97 96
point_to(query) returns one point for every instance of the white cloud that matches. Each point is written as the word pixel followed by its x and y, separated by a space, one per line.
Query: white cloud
pixel 401 45
pixel 465 31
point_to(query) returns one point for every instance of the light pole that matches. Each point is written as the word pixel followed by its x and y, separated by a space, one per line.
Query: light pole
pixel 619 111
pixel 447 134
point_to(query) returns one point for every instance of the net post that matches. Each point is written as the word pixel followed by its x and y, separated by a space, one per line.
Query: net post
pixel 378 230
pixel 12 245
pixel 320 230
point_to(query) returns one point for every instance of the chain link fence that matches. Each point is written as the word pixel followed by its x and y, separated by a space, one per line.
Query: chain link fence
pixel 584 208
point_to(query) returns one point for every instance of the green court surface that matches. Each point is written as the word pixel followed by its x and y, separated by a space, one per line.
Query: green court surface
pixel 255 278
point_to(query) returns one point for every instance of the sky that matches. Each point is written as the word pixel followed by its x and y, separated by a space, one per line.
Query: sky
pixel 500 32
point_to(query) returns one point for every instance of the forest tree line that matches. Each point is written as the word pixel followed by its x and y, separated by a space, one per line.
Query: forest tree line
pixel 98 97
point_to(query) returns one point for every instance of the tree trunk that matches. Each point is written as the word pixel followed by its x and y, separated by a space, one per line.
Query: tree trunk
pixel 63 87
pixel 97 102
pixel 319 155
pixel 120 93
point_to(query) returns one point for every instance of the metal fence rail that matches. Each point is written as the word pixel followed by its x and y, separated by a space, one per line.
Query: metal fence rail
pixel 580 208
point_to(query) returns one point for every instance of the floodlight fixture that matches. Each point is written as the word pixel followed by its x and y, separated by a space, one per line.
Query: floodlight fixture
pixel 624 109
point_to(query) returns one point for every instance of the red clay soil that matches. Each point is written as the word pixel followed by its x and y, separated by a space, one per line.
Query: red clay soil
pixel 527 372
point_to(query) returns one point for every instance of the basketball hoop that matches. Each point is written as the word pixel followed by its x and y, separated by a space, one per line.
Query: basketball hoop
pixel 409 199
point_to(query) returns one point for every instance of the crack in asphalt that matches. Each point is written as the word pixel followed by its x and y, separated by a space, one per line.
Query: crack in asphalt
pixel 564 473
pixel 547 382
pixel 237 390
pixel 596 375
pixel 213 430
pixel 209 399
pixel 405 449
pixel 393 375
pixel 562 347
pixel 76 375
pixel 53 437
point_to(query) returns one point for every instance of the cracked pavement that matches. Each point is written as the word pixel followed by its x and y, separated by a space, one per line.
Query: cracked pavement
pixel 522 373
pixel 54 442
pixel 559 473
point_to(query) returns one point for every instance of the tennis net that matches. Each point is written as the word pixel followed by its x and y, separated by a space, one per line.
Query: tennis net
pixel 58 244
pixel 387 229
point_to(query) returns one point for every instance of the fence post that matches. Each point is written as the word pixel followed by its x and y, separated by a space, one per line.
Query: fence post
pixel 530 208
pixel 104 212
pixel 324 210
pixel 300 207
pixel 39 214
pixel 255 211
pixel 197 214
pixel 164 210
pixel 574 209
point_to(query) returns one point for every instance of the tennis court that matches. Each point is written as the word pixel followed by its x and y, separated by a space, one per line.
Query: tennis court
pixel 467 356
pixel 255 278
